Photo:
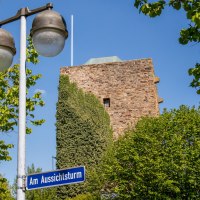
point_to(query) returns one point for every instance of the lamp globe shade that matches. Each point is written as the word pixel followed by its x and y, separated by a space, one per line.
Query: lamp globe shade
pixel 49 33
pixel 7 50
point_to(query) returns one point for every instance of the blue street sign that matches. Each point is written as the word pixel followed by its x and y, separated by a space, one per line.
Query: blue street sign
pixel 56 178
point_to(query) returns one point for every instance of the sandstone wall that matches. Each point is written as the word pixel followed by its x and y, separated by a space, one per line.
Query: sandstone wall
pixel 130 87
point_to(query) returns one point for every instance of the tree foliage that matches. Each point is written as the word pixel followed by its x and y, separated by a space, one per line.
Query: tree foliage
pixel 196 80
pixel 87 196
pixel 9 99
pixel 83 135
pixel 5 191
pixel 4 154
pixel 159 159
pixel 9 94
pixel 188 34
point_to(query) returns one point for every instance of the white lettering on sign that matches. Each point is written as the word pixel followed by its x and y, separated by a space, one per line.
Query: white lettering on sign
pixel 33 181
pixel 61 177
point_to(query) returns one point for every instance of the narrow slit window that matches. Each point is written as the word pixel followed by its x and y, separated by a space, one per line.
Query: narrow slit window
pixel 106 102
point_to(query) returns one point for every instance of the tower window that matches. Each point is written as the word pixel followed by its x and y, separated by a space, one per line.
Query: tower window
pixel 106 102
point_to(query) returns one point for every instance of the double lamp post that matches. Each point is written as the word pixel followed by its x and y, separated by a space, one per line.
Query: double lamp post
pixel 48 34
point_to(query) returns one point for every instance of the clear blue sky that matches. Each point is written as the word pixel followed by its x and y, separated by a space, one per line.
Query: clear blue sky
pixel 102 28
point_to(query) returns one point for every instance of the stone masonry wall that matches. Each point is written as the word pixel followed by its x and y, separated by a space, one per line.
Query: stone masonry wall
pixel 130 87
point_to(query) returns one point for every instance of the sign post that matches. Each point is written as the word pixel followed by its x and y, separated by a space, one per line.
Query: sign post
pixel 56 178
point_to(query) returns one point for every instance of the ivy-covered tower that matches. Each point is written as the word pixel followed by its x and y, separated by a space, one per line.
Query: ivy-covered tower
pixel 97 102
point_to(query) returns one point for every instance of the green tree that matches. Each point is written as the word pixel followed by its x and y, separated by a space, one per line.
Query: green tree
pixel 4 154
pixel 189 34
pixel 83 136
pixel 9 95
pixel 159 159
pixel 83 197
pixel 5 191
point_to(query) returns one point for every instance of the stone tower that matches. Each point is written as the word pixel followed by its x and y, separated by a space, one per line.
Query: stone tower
pixel 127 89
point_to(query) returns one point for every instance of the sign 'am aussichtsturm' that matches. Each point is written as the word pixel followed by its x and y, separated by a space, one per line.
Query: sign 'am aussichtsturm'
pixel 56 178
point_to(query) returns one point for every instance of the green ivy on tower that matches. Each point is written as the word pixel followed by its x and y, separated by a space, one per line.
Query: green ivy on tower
pixel 83 136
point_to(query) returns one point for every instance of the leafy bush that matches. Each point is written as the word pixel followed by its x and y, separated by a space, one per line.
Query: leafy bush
pixel 87 196
pixel 158 160
pixel 5 190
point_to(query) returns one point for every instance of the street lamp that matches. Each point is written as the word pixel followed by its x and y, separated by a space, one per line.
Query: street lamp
pixel 49 34
pixel 7 49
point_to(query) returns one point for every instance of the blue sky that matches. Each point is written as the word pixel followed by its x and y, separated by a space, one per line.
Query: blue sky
pixel 102 28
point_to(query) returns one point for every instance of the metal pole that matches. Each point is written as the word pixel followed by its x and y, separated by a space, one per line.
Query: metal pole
pixel 53 157
pixel 21 165
pixel 72 40
pixel 52 163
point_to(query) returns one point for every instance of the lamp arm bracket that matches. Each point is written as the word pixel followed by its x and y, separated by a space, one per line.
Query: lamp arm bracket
pixel 26 12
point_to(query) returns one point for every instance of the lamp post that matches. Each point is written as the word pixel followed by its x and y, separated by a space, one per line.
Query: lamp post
pixel 49 34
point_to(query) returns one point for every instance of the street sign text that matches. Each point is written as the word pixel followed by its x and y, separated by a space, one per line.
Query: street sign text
pixel 56 178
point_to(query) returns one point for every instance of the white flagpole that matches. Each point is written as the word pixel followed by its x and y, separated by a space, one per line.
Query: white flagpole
pixel 72 40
